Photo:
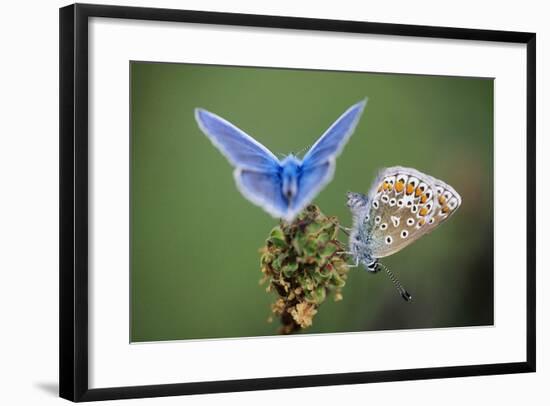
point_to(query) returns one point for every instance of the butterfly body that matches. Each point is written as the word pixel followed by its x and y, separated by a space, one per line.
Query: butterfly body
pixel 281 187
pixel 360 238
pixel 290 176
pixel 402 205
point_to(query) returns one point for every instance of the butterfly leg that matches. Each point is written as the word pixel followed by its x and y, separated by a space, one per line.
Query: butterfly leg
pixel 354 265
pixel 345 230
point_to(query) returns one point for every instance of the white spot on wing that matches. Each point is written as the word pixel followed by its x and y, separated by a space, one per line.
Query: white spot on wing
pixel 395 220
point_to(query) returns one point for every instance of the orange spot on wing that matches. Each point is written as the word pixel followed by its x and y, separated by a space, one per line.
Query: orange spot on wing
pixel 423 211
pixel 421 222
pixel 410 188
pixel 399 186
pixel 418 192
pixel 423 198
pixel 445 209
pixel 442 200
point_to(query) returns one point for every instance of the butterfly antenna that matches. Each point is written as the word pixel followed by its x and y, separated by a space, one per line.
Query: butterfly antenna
pixel 303 150
pixel 402 291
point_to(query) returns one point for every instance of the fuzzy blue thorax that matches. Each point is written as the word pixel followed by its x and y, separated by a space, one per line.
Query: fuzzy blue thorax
pixel 290 173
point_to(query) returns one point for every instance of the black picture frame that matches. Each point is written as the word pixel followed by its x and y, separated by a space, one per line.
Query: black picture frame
pixel 73 280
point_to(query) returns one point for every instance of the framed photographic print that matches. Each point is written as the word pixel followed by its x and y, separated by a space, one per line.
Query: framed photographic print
pixel 256 202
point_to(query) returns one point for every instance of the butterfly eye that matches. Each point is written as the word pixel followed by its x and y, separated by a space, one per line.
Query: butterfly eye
pixel 400 202
pixel 388 240
pixel 385 199
pixel 375 204
pixel 392 202
pixel 383 226
pixel 431 221
pixel 404 234
pixel 377 219
pixel 414 208
pixel 410 221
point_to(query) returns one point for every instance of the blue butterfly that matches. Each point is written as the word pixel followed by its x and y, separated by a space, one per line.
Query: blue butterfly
pixel 281 187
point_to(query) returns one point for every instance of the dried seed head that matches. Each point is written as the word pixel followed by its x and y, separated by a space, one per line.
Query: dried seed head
pixel 303 261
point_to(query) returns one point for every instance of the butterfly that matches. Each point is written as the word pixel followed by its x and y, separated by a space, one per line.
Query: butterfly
pixel 402 205
pixel 281 187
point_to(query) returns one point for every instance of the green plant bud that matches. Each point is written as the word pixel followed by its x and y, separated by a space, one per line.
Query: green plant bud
pixel 316 296
pixel 277 237
pixel 337 280
pixel 289 269
pixel 329 249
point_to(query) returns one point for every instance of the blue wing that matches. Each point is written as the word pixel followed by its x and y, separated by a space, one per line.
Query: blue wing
pixel 331 143
pixel 319 164
pixel 264 190
pixel 257 170
pixel 240 149
pixel 310 182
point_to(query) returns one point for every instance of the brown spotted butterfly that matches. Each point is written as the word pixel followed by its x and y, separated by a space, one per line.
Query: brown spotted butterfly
pixel 402 205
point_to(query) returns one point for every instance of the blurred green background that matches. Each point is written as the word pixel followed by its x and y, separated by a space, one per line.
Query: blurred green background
pixel 195 239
